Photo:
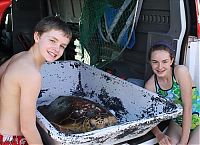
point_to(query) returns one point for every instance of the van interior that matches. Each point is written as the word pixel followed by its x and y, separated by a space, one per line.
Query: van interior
pixel 152 21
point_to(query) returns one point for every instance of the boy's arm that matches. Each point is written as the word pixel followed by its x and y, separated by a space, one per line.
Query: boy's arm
pixel 30 88
pixel 3 67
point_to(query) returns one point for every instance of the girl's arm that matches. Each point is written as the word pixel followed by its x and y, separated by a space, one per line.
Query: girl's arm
pixel 184 79
pixel 160 136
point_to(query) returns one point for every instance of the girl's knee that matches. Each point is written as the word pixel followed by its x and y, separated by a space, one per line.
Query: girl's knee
pixel 174 132
pixel 194 136
pixel 175 139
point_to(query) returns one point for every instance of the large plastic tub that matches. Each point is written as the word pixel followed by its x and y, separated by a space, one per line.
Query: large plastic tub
pixel 137 109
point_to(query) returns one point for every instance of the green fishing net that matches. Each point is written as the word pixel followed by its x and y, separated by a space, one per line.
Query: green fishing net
pixel 107 29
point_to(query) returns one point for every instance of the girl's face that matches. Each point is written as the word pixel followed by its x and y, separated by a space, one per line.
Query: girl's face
pixel 52 44
pixel 161 62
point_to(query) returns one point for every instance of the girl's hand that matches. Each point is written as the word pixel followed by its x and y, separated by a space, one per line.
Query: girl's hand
pixel 163 139
pixel 181 143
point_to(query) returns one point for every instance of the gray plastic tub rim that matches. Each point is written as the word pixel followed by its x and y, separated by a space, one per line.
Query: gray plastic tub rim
pixel 51 130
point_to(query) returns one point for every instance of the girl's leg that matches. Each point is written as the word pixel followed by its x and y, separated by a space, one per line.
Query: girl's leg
pixel 174 132
pixel 194 137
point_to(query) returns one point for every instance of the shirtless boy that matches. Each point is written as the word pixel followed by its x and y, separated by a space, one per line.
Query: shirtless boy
pixel 21 82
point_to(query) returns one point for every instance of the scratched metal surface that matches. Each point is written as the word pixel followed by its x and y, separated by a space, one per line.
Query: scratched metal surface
pixel 137 109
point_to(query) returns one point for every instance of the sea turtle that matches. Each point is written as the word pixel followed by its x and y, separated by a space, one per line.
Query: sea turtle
pixel 74 114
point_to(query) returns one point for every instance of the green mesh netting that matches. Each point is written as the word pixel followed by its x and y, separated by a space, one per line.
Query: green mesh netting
pixel 107 28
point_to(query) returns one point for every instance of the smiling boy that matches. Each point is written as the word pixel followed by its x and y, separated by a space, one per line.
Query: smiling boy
pixel 21 82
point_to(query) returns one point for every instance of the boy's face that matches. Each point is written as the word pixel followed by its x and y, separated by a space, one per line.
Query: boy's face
pixel 52 44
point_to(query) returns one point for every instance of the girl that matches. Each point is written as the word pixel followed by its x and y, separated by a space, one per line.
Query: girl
pixel 174 82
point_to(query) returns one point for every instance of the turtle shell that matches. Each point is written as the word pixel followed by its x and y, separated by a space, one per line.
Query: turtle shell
pixel 75 114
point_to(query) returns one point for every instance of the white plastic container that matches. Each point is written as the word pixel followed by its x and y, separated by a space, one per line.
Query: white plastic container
pixel 137 109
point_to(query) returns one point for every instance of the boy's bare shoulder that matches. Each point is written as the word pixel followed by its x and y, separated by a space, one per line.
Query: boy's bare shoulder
pixel 22 65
